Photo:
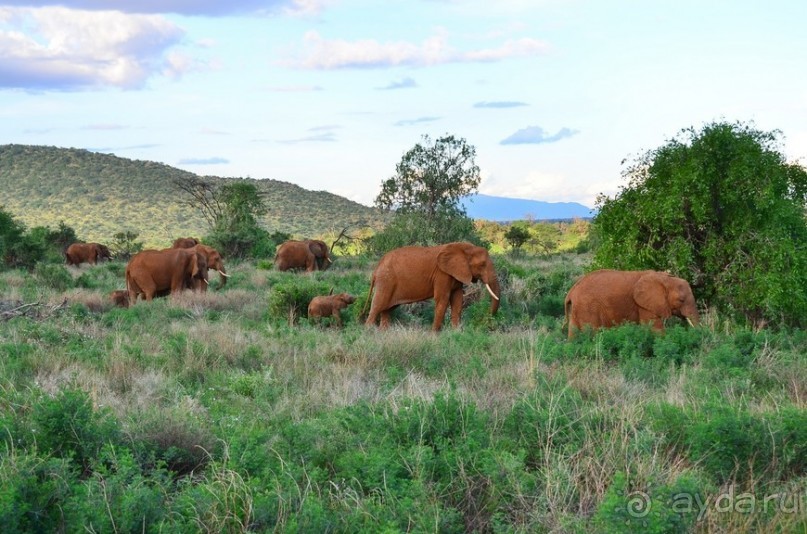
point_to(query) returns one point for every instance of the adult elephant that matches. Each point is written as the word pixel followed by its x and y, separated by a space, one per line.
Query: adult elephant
pixel 412 274
pixel 310 254
pixel 91 253
pixel 608 297
pixel 185 242
pixel 214 261
pixel 152 273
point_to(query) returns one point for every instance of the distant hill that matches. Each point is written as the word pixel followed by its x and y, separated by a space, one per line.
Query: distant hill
pixel 511 209
pixel 101 194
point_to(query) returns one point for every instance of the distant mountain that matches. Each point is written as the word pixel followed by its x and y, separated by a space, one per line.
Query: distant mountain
pixel 512 209
pixel 99 195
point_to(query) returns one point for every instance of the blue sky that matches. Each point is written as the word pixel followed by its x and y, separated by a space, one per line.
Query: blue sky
pixel 329 94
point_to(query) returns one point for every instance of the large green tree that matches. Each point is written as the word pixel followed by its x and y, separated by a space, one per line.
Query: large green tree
pixel 425 193
pixel 232 210
pixel 722 208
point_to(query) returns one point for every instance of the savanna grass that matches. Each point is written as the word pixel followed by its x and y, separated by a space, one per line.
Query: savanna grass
pixel 214 412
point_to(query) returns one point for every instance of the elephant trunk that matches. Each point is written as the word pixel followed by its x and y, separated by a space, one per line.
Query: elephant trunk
pixel 222 277
pixel 690 313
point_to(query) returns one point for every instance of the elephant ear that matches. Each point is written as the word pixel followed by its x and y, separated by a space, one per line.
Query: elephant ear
pixel 452 260
pixel 315 248
pixel 194 265
pixel 650 293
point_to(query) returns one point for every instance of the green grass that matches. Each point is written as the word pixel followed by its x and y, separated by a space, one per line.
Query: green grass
pixel 217 413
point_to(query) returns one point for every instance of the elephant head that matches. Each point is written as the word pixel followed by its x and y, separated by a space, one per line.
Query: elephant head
pixel 320 250
pixel 468 263
pixel 664 295
pixel 215 262
pixel 102 252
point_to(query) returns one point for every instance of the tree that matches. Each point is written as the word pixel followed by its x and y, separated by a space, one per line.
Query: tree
pixel 516 236
pixel 425 193
pixel 721 208
pixel 431 177
pixel 124 244
pixel 232 211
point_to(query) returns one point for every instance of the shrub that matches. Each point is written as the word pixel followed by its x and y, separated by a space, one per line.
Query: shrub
pixel 67 426
pixel 626 341
pixel 730 444
pixel 176 440
pixel 31 492
pixel 649 508
pixel 289 300
pixel 719 207
pixel 53 276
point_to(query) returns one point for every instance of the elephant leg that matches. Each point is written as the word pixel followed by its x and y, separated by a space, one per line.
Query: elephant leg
pixel 385 319
pixel 148 289
pixel 440 307
pixel 456 307
pixel 648 317
pixel 337 318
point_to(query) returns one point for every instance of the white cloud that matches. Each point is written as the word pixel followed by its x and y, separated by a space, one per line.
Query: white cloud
pixel 327 54
pixel 63 49
pixel 182 7
pixel 536 135
pixel 548 187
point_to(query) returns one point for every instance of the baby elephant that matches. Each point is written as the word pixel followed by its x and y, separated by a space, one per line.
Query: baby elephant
pixel 120 297
pixel 329 306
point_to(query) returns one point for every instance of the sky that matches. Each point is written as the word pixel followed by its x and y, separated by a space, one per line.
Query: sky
pixel 557 96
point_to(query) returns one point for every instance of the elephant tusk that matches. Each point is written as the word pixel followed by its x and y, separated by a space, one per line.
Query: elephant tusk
pixel 222 273
pixel 205 281
pixel 690 322
pixel 492 294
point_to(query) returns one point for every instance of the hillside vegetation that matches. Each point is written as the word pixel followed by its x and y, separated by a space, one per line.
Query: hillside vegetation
pixel 101 194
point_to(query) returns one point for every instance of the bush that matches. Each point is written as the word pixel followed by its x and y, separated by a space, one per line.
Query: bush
pixel 175 440
pixel 730 444
pixel 626 341
pixel 68 427
pixel 414 229
pixel 646 508
pixel 288 301
pixel 53 276
pixel 721 208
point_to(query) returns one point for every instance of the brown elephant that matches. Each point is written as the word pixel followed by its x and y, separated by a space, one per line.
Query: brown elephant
pixel 154 272
pixel 607 298
pixel 330 306
pixel 185 242
pixel 412 274
pixel 310 254
pixel 91 253
pixel 214 261
pixel 120 298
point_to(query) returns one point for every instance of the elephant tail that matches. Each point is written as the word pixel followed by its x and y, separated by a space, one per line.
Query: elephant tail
pixel 567 308
pixel 369 296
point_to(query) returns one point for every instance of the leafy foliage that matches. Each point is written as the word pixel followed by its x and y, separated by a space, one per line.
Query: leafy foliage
pixel 425 194
pixel 431 178
pixel 413 229
pixel 22 248
pixel 721 208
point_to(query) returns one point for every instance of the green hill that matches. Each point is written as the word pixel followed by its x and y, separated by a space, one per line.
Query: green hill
pixel 102 194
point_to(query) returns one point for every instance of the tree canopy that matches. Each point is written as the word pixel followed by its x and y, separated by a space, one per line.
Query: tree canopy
pixel 425 193
pixel 721 208
pixel 431 177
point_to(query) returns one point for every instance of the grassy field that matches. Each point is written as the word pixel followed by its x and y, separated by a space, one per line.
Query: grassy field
pixel 229 412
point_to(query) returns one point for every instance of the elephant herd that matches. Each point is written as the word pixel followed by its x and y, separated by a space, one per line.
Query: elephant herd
pixel 599 299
